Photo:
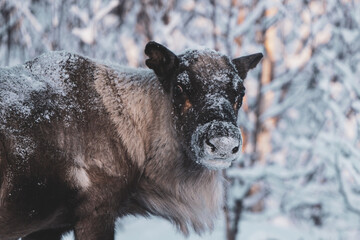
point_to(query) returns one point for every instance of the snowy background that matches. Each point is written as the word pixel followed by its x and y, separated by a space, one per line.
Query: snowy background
pixel 300 175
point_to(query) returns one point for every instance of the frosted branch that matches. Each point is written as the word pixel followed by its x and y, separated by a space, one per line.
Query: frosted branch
pixel 342 189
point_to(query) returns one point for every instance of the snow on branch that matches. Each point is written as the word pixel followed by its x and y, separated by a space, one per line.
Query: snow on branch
pixel 32 19
pixel 342 189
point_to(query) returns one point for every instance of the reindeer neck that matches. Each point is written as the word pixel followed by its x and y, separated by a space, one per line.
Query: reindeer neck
pixel 173 187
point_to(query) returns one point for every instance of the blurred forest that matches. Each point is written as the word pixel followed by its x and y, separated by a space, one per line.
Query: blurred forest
pixel 300 173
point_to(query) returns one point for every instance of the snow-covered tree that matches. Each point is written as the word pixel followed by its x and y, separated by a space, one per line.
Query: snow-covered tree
pixel 302 166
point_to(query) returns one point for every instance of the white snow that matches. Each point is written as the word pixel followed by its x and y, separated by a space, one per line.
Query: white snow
pixel 16 85
pixel 19 83
pixel 183 78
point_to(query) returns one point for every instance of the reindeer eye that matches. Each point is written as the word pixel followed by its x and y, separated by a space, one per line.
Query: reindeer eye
pixel 178 90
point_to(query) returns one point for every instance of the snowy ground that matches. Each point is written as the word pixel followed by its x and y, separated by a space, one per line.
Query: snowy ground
pixel 138 228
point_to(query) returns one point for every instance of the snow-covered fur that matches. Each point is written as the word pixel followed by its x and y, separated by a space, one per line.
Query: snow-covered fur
pixel 83 143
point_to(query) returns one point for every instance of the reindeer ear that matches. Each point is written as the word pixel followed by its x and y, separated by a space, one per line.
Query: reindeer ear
pixel 245 63
pixel 162 61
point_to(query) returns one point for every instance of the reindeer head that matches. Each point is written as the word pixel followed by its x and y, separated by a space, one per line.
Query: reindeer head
pixel 206 89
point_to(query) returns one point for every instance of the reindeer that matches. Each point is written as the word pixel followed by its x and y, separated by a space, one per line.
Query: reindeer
pixel 83 143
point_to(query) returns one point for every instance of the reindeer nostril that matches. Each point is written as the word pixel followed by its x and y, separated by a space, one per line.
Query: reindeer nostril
pixel 235 149
pixel 213 148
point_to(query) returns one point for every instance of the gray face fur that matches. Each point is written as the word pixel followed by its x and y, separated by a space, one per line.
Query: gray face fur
pixel 210 86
